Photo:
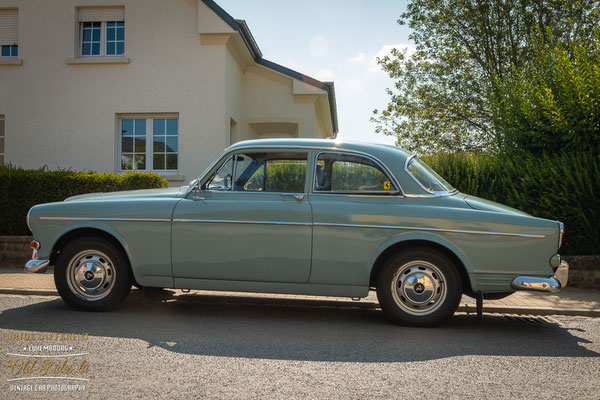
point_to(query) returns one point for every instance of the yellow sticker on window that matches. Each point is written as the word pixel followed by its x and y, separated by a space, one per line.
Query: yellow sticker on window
pixel 387 185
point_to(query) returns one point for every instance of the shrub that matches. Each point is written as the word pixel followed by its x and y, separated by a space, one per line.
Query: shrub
pixel 20 189
pixel 561 187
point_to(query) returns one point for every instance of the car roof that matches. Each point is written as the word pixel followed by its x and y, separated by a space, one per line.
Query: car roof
pixel 378 150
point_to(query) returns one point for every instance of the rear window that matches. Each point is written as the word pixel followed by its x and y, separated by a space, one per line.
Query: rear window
pixel 426 177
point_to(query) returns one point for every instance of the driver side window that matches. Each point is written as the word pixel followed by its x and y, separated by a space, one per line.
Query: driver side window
pixel 222 178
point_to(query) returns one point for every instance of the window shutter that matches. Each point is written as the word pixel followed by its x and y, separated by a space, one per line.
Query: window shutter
pixel 9 32
pixel 90 14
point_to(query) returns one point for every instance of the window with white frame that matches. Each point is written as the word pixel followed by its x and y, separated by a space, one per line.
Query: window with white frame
pixel 149 142
pixel 101 31
pixel 9 33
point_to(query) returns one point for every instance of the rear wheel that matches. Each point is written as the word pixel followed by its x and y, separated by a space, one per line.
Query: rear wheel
pixel 419 287
pixel 92 274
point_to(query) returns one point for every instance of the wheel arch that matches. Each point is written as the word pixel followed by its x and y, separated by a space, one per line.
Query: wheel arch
pixel 80 231
pixel 403 244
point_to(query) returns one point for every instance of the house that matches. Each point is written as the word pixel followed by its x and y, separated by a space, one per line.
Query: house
pixel 114 85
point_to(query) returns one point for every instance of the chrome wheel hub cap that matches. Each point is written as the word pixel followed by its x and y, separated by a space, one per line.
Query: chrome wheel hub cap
pixel 419 287
pixel 91 275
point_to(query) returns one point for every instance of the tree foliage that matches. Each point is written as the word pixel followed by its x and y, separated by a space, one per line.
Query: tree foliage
pixel 553 103
pixel 446 91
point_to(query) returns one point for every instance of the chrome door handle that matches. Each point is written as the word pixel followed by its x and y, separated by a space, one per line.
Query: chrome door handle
pixel 298 197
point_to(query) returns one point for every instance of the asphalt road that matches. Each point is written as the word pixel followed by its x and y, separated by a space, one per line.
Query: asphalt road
pixel 189 349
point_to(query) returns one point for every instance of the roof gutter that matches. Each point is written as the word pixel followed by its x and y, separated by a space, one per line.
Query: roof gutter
pixel 241 27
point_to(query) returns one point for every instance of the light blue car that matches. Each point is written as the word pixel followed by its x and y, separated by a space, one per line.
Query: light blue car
pixel 299 216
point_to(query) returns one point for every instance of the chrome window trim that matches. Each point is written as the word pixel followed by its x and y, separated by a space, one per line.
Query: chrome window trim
pixel 347 194
pixel 384 168
pixel 104 219
pixel 227 221
pixel 257 191
pixel 234 156
pixel 229 150
pixel 254 192
pixel 431 192
pixel 527 235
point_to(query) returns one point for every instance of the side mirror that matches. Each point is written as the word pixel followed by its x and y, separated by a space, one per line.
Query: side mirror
pixel 196 194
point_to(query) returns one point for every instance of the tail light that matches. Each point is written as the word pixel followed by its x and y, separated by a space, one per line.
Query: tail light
pixel 561 233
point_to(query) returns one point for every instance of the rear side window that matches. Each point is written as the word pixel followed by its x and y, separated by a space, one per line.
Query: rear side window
pixel 350 173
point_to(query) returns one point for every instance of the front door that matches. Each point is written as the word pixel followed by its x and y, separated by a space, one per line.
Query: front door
pixel 251 221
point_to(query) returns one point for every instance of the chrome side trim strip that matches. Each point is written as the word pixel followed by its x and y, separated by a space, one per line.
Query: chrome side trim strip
pixel 228 221
pixel 411 228
pixel 103 219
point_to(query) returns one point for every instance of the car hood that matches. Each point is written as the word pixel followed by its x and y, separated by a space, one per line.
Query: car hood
pixel 478 203
pixel 132 194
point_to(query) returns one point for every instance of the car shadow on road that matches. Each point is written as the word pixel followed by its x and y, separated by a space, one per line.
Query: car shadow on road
pixel 299 332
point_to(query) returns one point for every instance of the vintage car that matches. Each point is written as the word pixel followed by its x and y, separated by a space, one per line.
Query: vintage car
pixel 300 216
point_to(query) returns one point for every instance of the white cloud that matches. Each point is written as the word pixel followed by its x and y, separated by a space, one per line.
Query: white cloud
pixel 386 51
pixel 357 58
pixel 324 75
pixel 355 84
pixel 319 46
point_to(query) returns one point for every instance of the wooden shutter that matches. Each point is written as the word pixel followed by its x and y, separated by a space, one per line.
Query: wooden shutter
pixel 89 14
pixel 9 29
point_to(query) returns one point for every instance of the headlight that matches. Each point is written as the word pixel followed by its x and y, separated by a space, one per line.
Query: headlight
pixel 561 233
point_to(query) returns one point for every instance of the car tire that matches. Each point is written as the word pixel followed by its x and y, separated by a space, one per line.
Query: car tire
pixel 419 287
pixel 92 274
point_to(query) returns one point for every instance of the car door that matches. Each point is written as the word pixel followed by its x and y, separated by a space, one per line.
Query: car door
pixel 352 195
pixel 251 221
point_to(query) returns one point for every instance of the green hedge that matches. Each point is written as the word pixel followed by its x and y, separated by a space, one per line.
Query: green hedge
pixel 20 189
pixel 564 187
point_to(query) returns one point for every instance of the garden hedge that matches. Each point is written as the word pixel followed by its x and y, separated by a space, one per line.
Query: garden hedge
pixel 563 187
pixel 20 189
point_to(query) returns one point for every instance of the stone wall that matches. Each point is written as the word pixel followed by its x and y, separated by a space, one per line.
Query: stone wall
pixel 14 251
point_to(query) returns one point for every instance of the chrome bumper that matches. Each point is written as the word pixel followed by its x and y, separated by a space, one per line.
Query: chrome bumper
pixel 38 266
pixel 554 284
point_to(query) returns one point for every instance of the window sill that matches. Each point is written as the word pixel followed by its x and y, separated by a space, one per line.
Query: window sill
pixel 99 60
pixel 11 61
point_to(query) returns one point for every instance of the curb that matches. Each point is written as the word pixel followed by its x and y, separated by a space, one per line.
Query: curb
pixel 365 305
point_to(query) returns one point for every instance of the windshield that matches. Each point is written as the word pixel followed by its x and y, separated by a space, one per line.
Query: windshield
pixel 426 177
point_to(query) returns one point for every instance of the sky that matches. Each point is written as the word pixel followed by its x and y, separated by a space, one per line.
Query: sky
pixel 332 40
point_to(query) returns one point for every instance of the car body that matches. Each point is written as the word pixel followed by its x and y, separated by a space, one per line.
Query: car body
pixel 301 216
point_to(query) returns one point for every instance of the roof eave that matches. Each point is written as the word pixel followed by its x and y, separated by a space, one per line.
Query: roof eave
pixel 241 27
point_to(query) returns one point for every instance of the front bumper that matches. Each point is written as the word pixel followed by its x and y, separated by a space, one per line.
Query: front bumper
pixel 37 266
pixel 553 284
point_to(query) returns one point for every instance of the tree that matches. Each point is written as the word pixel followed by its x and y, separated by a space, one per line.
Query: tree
pixel 444 92
pixel 553 104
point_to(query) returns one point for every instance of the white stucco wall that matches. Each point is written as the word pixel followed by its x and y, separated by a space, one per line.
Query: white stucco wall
pixel 65 116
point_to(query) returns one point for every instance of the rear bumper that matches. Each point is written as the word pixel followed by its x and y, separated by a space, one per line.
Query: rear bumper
pixel 36 266
pixel 553 284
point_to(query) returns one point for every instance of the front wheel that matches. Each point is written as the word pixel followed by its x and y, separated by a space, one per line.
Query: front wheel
pixel 92 274
pixel 419 287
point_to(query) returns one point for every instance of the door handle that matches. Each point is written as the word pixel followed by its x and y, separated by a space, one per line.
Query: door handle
pixel 298 196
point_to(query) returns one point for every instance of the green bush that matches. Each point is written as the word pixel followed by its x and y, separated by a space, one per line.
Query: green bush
pixel 552 104
pixel 561 187
pixel 20 189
